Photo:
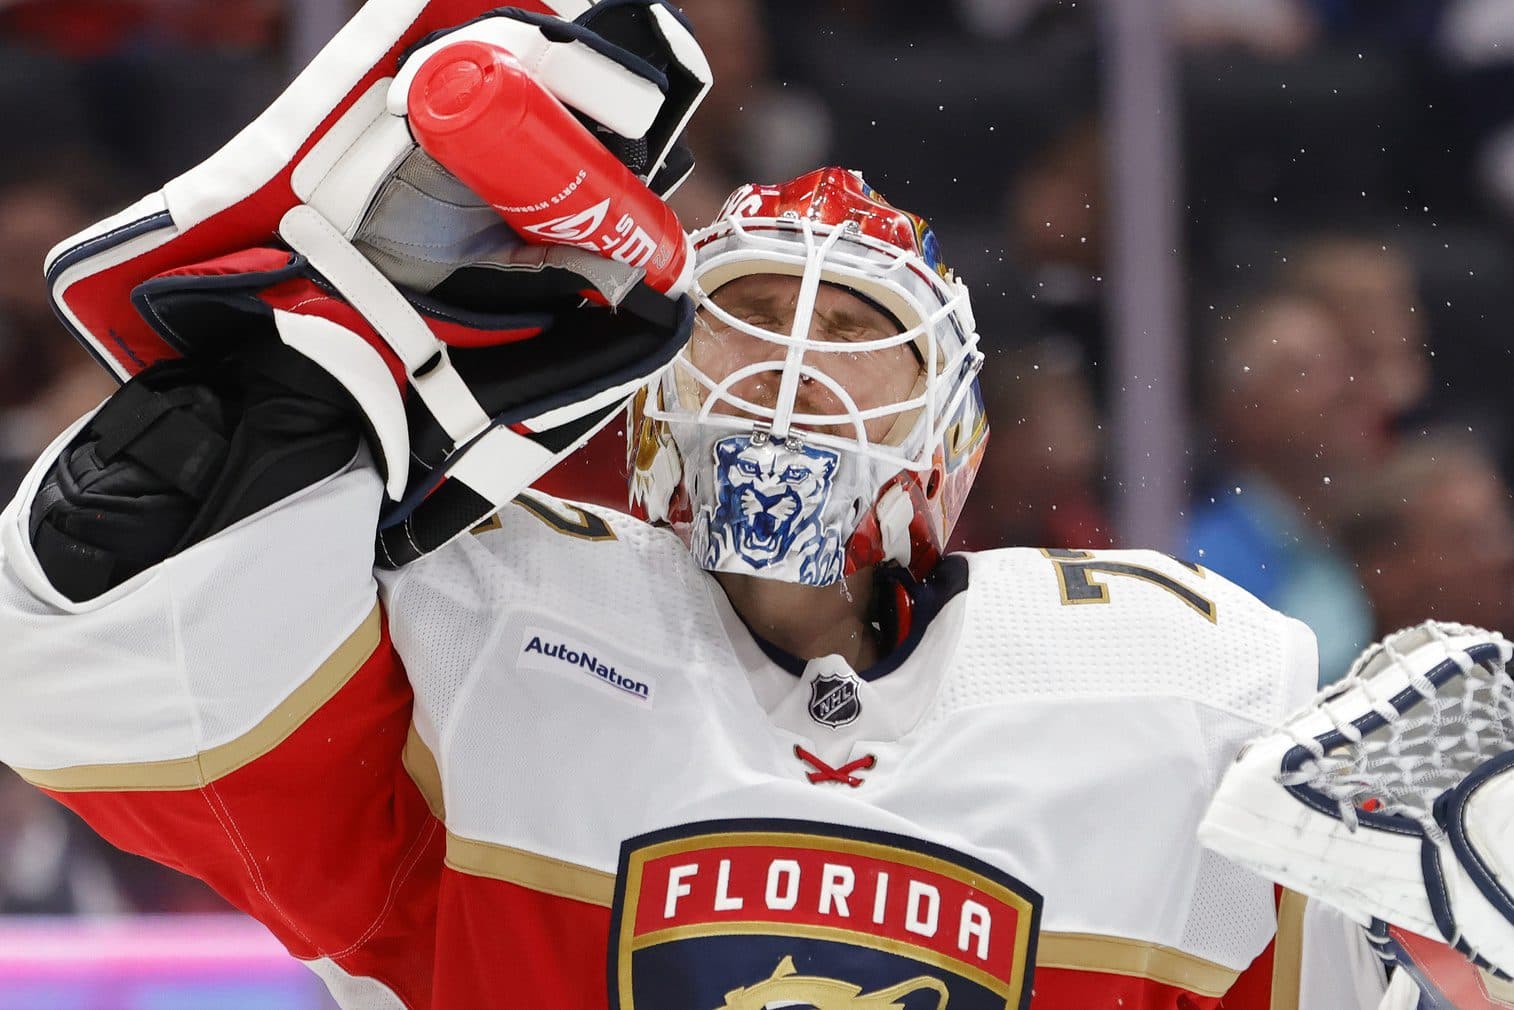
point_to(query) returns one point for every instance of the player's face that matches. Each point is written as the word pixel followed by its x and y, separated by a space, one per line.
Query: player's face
pixel 873 378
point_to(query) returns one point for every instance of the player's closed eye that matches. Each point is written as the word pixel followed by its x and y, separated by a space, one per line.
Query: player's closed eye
pixel 763 319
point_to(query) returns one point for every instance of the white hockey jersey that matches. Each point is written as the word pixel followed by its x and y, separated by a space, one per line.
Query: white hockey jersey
pixel 549 767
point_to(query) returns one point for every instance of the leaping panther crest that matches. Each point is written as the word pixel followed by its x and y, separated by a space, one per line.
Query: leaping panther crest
pixel 788 989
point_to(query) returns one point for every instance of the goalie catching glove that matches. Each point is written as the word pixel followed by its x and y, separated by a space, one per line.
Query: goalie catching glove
pixel 475 359
pixel 1392 798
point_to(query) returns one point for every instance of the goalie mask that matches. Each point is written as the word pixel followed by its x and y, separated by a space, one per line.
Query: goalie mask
pixel 825 417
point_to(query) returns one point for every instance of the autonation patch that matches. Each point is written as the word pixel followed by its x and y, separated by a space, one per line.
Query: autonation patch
pixel 562 653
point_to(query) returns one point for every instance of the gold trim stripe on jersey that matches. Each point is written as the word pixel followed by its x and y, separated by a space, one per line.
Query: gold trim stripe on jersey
pixel 1134 958
pixel 420 763
pixel 1288 951
pixel 183 774
pixel 545 874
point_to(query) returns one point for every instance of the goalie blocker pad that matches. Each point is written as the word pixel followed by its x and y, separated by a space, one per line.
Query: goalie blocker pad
pixel 331 141
pixel 142 287
pixel 537 383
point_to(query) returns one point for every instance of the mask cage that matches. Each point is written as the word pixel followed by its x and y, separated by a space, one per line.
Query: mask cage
pixel 933 307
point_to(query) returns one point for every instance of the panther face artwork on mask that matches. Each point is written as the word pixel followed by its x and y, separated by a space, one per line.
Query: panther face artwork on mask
pixel 768 505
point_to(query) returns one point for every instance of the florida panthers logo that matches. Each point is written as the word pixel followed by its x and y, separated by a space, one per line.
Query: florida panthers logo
pixel 768 504
pixel 795 915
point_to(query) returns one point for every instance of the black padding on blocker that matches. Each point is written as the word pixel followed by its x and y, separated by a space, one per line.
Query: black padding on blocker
pixel 558 30
pixel 587 353
pixel 478 316
pixel 633 152
pixel 488 298
pixel 559 439
pixel 675 169
pixel 191 312
pixel 170 434
pixel 487 292
pixel 448 510
pixel 449 507
pixel 182 452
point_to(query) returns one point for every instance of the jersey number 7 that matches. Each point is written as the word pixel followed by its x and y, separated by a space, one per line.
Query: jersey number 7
pixel 1078 571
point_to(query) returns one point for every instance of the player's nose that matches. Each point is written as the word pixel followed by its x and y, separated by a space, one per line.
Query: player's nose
pixel 762 389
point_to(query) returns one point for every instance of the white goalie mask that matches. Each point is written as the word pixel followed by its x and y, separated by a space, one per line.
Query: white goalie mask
pixel 836 430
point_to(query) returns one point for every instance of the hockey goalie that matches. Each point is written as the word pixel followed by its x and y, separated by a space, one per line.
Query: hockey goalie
pixel 283 614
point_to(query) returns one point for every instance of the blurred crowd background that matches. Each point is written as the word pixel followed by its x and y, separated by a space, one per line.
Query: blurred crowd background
pixel 1348 264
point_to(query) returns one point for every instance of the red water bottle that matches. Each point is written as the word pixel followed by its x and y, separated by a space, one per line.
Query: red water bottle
pixel 482 115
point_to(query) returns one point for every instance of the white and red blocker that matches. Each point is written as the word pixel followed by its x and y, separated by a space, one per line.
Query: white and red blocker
pixel 473 107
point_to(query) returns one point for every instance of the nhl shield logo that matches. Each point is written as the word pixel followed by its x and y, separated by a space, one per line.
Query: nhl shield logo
pixel 834 701
pixel 760 915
